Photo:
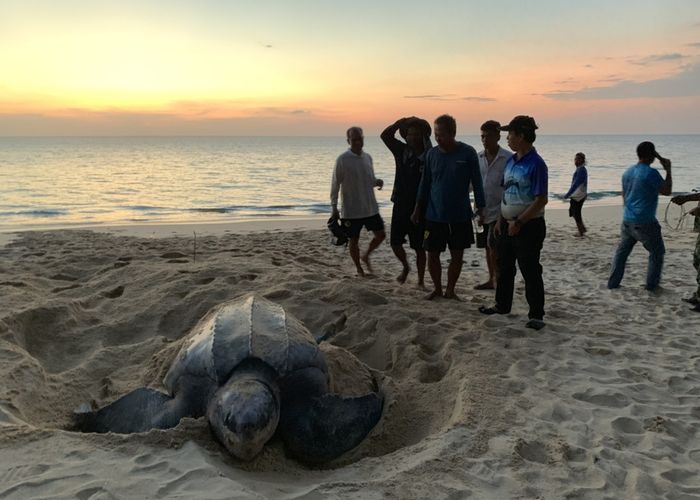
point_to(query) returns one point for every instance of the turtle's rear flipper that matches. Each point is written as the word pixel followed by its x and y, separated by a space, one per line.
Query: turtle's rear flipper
pixel 138 411
pixel 327 426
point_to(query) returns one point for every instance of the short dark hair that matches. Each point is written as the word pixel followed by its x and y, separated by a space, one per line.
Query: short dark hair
pixel 646 150
pixel 353 129
pixel 491 126
pixel 581 155
pixel 447 121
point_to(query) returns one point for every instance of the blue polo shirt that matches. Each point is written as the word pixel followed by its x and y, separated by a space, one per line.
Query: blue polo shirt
pixel 445 184
pixel 523 180
pixel 640 189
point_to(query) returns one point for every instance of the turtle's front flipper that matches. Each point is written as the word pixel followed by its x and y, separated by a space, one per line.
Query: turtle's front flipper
pixel 325 427
pixel 138 411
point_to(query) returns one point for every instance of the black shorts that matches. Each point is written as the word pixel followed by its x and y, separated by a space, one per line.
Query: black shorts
pixel 401 226
pixel 575 208
pixel 438 235
pixel 354 226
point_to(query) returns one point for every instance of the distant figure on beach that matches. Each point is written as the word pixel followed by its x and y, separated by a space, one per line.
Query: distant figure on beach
pixel 680 200
pixel 410 159
pixel 492 163
pixel 443 202
pixel 641 186
pixel 521 228
pixel 578 192
pixel 353 177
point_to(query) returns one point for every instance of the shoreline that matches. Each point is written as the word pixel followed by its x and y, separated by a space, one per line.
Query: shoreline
pixel 558 213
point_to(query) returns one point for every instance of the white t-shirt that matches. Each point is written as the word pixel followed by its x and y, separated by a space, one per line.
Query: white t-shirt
pixel 492 178
pixel 353 178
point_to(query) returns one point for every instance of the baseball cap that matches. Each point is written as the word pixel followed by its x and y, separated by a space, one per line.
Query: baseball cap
pixel 521 122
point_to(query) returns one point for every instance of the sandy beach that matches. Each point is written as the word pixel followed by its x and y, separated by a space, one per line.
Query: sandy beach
pixel 603 403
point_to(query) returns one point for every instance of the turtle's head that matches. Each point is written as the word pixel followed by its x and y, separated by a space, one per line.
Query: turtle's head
pixel 244 413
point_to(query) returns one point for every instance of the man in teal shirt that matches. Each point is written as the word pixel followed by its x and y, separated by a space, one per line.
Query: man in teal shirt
pixel 443 199
pixel 641 186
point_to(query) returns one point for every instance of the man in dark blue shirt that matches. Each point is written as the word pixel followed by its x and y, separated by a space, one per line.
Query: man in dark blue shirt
pixel 520 228
pixel 409 157
pixel 443 200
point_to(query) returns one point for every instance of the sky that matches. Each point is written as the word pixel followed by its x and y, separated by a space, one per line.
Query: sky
pixel 157 67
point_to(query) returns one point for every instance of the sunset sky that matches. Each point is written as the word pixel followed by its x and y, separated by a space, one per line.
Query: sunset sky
pixel 148 67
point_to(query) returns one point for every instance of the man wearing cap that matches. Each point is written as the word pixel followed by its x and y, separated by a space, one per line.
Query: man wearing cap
pixel 353 178
pixel 492 163
pixel 409 157
pixel 641 186
pixel 451 168
pixel 521 228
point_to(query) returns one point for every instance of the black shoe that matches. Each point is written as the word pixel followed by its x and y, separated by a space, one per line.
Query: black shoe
pixel 535 324
pixel 691 300
pixel 696 308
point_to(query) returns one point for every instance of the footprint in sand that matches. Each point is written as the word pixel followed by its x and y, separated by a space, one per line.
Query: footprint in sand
pixel 682 476
pixel 282 293
pixel 627 425
pixel 206 281
pixel 16 284
pixel 432 372
pixel 531 451
pixel 613 400
pixel 63 277
pixel 59 289
pixel 173 255
pixel 114 293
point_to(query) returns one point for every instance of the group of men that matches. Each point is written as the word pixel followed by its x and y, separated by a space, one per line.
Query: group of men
pixel 432 204
pixel 432 207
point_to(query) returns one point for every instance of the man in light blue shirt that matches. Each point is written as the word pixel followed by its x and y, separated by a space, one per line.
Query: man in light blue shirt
pixel 641 186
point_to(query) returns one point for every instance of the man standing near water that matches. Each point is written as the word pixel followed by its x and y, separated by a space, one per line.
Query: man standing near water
pixel 410 159
pixel 521 228
pixel 492 162
pixel 353 178
pixel 443 200
pixel 641 186
pixel 578 192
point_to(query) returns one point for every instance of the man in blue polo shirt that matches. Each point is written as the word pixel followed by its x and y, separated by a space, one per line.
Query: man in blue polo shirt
pixel 443 199
pixel 521 228
pixel 641 186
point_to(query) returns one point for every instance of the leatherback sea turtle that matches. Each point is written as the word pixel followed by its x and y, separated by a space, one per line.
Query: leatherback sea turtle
pixel 253 370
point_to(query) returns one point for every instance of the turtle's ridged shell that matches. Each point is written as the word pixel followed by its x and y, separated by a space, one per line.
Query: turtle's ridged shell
pixel 247 327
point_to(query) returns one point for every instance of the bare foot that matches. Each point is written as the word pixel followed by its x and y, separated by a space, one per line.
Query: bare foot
pixel 432 295
pixel 360 272
pixel 365 259
pixel 452 296
pixel 421 286
pixel 401 278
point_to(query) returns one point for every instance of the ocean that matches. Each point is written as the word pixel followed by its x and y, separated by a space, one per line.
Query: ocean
pixel 67 181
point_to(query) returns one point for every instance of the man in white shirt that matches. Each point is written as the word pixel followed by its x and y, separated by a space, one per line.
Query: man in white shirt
pixel 492 162
pixel 353 178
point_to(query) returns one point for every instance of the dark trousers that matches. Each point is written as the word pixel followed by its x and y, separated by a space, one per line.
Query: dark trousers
pixel 525 248
pixel 575 211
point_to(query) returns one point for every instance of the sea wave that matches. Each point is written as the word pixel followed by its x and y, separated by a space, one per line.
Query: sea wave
pixel 593 195
pixel 40 212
